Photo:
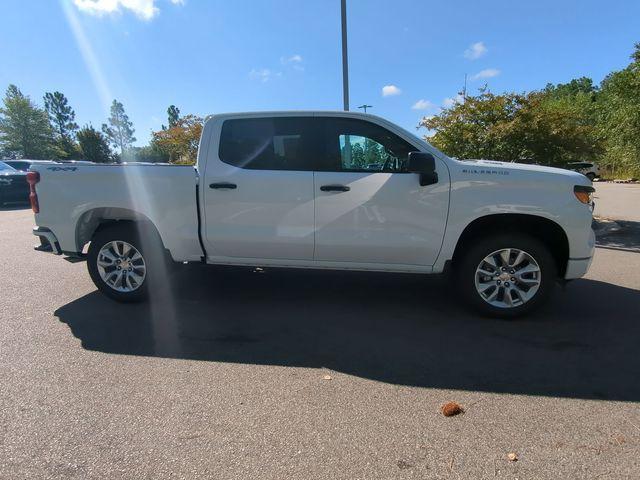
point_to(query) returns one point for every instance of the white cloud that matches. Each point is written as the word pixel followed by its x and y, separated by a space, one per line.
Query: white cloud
pixel 451 101
pixel 292 59
pixel 390 91
pixel 475 51
pixel 422 104
pixel 263 74
pixel 144 9
pixel 488 73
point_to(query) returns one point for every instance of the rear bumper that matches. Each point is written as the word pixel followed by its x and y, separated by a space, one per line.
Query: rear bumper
pixel 48 241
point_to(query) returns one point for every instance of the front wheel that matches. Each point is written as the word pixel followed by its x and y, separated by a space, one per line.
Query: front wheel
pixel 123 260
pixel 507 276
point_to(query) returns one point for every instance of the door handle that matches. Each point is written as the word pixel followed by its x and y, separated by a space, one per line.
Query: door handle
pixel 334 188
pixel 223 186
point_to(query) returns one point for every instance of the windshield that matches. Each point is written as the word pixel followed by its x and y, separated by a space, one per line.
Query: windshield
pixel 6 168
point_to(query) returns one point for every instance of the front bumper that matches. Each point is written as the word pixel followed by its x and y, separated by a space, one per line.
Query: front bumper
pixel 48 241
pixel 578 267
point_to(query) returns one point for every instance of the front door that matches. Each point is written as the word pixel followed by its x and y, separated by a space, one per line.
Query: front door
pixel 368 208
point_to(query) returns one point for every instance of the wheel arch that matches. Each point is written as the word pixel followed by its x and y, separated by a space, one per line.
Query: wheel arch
pixel 92 221
pixel 543 229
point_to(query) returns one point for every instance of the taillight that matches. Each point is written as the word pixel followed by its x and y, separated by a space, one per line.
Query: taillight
pixel 32 179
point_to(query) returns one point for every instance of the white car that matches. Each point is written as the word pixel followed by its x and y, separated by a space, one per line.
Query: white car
pixel 589 169
pixel 330 190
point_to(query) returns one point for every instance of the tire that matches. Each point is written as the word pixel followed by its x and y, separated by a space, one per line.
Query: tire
pixel 136 248
pixel 591 176
pixel 525 295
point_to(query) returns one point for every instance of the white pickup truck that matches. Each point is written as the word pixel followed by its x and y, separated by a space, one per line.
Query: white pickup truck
pixel 331 190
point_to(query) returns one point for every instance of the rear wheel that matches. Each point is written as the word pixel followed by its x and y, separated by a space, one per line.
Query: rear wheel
pixel 124 259
pixel 507 276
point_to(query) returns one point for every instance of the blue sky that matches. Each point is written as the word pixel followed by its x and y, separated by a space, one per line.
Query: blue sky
pixel 208 56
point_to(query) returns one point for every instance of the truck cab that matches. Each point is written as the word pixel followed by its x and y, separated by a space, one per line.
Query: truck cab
pixel 333 190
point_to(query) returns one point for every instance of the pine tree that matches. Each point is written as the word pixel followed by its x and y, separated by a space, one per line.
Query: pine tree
pixel 173 114
pixel 93 145
pixel 119 131
pixel 61 117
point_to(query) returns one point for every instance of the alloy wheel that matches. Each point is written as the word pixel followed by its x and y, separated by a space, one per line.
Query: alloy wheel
pixel 121 266
pixel 508 278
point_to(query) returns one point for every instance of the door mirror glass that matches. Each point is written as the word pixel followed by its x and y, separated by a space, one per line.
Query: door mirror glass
pixel 425 164
pixel 421 162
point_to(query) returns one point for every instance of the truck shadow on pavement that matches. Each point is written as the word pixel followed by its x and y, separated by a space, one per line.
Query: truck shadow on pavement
pixel 625 237
pixel 400 329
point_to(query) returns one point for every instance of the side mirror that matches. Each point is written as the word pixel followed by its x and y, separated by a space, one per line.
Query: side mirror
pixel 424 164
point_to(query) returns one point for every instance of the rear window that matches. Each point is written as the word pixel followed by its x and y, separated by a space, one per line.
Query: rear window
pixel 269 143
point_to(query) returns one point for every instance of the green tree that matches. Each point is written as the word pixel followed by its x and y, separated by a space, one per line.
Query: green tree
pixel 180 142
pixel 582 85
pixel 62 119
pixel 479 127
pixel 574 121
pixel 24 127
pixel 119 131
pixel 173 114
pixel 149 153
pixel 93 145
pixel 619 118
pixel 553 126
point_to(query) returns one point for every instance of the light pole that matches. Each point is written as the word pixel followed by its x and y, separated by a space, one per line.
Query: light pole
pixel 364 107
pixel 345 60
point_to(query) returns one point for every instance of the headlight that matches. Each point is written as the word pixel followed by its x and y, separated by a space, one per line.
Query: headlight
pixel 584 193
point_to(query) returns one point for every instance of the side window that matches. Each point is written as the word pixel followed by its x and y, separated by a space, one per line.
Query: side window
pixel 362 153
pixel 280 143
pixel 361 146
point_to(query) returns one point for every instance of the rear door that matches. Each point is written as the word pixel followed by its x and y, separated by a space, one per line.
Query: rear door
pixel 369 209
pixel 258 190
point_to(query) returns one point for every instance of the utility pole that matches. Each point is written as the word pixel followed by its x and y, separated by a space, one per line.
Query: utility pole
pixel 345 60
pixel 464 90
pixel 364 107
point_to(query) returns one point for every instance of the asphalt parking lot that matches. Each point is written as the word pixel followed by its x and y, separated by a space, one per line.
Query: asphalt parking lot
pixel 236 373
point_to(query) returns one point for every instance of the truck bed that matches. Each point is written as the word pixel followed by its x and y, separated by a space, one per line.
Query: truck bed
pixel 72 198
